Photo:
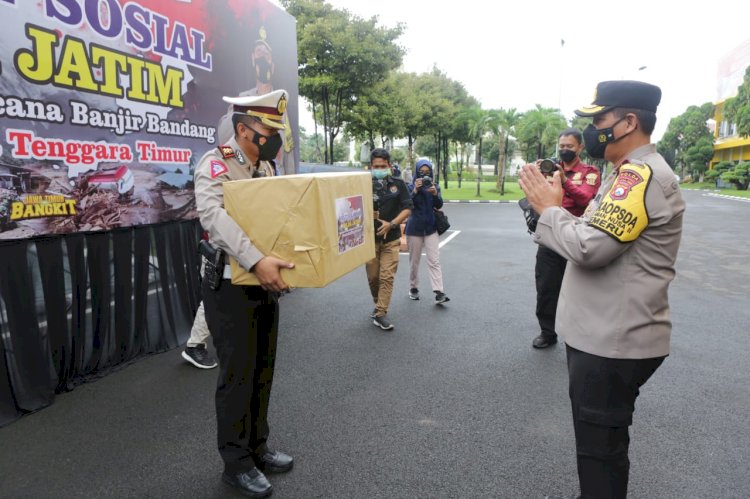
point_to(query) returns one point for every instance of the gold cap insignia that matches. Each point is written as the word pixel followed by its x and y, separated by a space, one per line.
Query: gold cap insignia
pixel 282 104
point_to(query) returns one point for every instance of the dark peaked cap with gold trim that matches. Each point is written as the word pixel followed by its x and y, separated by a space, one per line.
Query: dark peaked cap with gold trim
pixel 622 93
pixel 267 108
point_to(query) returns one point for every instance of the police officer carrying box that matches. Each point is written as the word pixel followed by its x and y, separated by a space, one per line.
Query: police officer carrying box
pixel 613 311
pixel 243 319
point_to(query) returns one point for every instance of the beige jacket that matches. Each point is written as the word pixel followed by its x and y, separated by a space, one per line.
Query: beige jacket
pixel 621 255
pixel 217 166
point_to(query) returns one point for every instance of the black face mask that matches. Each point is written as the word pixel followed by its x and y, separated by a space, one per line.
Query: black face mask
pixel 268 146
pixel 567 156
pixel 263 70
pixel 596 139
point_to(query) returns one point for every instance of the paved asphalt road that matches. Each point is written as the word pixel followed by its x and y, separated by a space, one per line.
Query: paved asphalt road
pixel 452 403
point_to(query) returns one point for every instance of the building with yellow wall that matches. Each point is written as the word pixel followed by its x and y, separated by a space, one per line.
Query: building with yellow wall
pixel 728 146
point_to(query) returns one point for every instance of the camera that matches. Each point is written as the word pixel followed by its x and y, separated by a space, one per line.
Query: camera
pixel 548 166
pixel 426 181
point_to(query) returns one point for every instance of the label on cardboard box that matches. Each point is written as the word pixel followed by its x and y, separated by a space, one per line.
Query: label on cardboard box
pixel 350 216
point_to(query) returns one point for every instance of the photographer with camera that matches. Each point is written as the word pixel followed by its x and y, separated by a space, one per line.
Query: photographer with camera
pixel 580 183
pixel 392 205
pixel 421 232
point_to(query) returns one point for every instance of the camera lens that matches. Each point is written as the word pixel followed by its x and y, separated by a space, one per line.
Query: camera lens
pixel 547 167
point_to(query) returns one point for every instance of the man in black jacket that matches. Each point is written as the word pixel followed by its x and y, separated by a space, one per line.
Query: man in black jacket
pixel 392 207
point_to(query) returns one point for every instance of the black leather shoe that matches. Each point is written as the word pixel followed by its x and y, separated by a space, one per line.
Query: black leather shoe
pixel 543 341
pixel 275 462
pixel 251 483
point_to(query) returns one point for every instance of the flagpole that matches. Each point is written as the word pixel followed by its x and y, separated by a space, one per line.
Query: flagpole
pixel 559 91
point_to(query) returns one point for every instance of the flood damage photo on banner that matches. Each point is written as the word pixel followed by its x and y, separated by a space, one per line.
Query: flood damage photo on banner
pixel 106 106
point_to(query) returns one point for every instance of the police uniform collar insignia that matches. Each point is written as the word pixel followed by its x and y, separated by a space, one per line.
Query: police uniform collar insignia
pixel 240 157
pixel 226 152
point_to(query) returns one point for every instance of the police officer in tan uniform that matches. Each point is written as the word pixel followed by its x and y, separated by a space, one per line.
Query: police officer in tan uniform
pixel 243 319
pixel 613 311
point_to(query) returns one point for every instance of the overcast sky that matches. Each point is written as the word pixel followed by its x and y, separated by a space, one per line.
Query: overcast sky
pixel 509 54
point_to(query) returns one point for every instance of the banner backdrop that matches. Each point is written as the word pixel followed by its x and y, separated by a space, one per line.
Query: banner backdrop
pixel 106 106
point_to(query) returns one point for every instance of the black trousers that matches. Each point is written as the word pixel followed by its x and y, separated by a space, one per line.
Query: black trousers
pixel 602 396
pixel 549 271
pixel 243 321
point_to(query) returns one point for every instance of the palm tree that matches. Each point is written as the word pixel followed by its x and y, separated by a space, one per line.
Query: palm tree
pixel 538 129
pixel 479 120
pixel 503 123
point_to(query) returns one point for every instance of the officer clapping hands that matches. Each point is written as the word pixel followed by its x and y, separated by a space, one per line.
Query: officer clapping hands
pixel 541 192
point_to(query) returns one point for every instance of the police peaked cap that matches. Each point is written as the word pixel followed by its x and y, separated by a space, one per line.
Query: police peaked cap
pixel 267 108
pixel 622 93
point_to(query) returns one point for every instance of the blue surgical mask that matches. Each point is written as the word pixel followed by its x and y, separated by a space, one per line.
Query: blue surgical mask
pixel 380 173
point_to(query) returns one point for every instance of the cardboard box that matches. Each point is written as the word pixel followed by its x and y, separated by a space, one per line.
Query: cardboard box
pixel 321 221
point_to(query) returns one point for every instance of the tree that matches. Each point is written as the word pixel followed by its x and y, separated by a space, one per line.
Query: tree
pixel 341 149
pixel 377 112
pixel 398 155
pixel 739 176
pixel 444 99
pixel 687 140
pixel 491 153
pixel 340 57
pixel 537 131
pixel 479 123
pixel 503 124
pixel 737 109
pixel 699 155
pixel 309 152
pixel 718 170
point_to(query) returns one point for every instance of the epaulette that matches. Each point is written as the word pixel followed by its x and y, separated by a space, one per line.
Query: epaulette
pixel 635 162
pixel 226 152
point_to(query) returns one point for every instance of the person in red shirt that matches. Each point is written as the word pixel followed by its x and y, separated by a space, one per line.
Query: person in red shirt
pixel 581 184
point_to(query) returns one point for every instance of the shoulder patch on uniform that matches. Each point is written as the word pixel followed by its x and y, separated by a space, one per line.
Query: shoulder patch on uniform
pixel 226 152
pixel 591 178
pixel 622 213
pixel 217 168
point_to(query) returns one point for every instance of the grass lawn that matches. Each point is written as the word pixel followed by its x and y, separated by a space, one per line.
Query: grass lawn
pixel 513 192
pixel 487 190
pixel 712 187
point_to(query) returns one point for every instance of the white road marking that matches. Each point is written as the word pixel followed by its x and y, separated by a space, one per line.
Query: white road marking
pixel 445 241
pixel 735 198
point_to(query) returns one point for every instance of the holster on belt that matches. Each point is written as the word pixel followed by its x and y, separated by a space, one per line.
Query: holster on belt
pixel 213 270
